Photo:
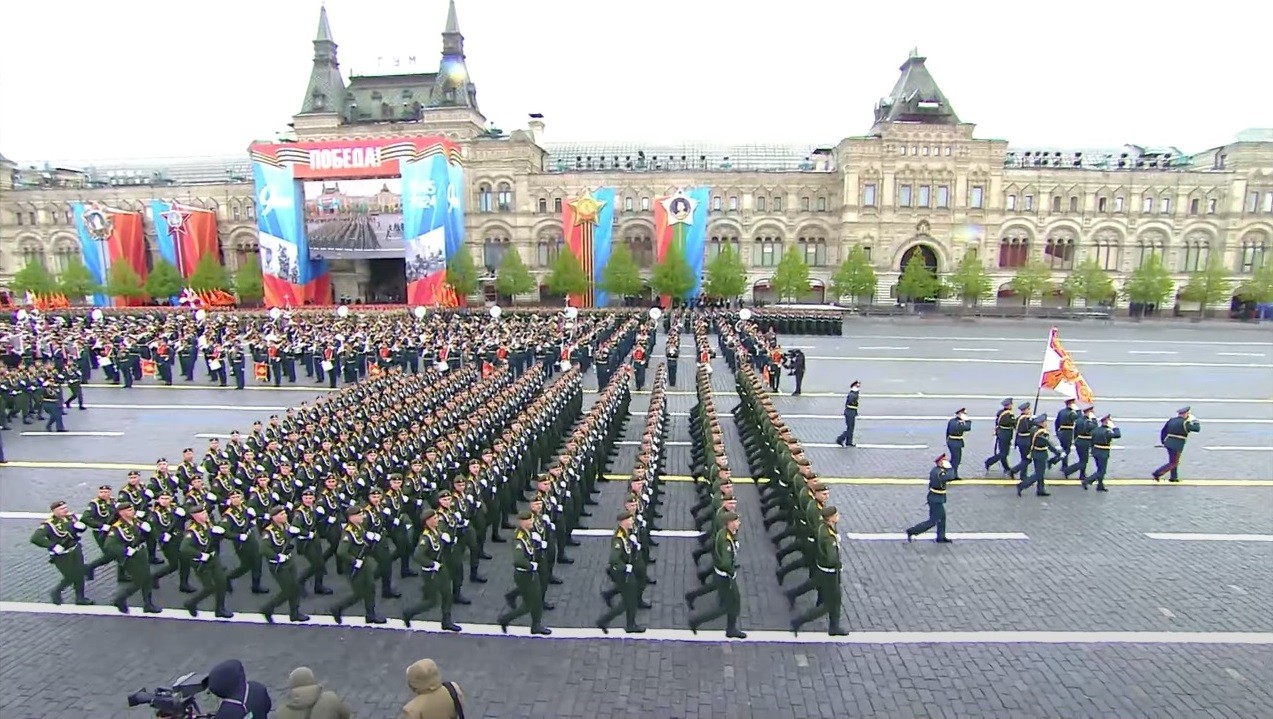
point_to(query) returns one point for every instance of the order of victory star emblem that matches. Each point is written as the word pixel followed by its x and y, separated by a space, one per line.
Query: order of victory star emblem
pixel 679 208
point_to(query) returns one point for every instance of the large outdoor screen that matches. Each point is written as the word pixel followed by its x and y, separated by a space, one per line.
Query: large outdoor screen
pixel 354 219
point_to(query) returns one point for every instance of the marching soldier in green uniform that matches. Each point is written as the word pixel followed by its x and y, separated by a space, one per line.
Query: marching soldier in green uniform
pixel 241 530
pixel 1005 425
pixel 127 544
pixel 956 428
pixel 277 548
pixel 1083 427
pixel 726 584
pixel 168 524
pixel 201 548
pixel 621 571
pixel 1102 442
pixel 436 577
pixel 98 516
pixel 1040 446
pixel 1173 435
pixel 451 528
pixel 526 577
pixel 376 523
pixel 357 554
pixel 309 544
pixel 827 570
pixel 60 535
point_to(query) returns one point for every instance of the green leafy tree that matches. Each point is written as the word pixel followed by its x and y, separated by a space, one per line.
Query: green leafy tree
pixel 249 285
pixel 1031 280
pixel 1150 284
pixel 620 276
pixel 672 276
pixel 917 283
pixel 461 273
pixel 725 276
pixel 1089 282
pixel 1209 285
pixel 209 275
pixel 566 275
pixel 791 276
pixel 163 281
pixel 1259 288
pixel 123 281
pixel 34 278
pixel 76 282
pixel 970 281
pixel 511 277
pixel 854 278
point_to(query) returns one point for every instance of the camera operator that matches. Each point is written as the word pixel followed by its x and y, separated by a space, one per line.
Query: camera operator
pixel 795 363
pixel 240 698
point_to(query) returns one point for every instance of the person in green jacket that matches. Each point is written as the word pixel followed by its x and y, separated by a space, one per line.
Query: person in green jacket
pixel 827 570
pixel 278 548
pixel 126 543
pixel 357 552
pixel 60 535
pixel 200 547
pixel 726 582
pixel 623 560
pixel 435 575
pixel 526 577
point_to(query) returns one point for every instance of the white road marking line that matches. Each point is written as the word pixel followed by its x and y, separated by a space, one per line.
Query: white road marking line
pixel 1239 449
pixel 684 635
pixel 24 515
pixel 211 435
pixel 883 347
pixel 984 360
pixel 973 349
pixel 935 417
pixel 1238 590
pixel 72 434
pixel 901 536
pixel 824 445
pixel 210 407
pixel 660 533
pixel 1167 612
pixel 1240 354
pixel 1237 676
pixel 1192 537
pixel 1151 352
pixel 636 443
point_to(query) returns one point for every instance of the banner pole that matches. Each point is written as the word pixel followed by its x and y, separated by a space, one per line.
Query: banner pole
pixel 1038 392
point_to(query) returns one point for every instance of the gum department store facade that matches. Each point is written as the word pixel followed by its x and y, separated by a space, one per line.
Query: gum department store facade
pixel 917 182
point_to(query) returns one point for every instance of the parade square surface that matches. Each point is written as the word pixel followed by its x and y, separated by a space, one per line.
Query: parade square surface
pixel 1150 600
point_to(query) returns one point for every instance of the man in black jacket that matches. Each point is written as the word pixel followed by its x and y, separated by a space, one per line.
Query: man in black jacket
pixel 240 698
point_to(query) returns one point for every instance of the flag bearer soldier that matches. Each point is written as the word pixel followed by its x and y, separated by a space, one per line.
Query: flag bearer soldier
pixel 1066 419
pixel 826 569
pixel 526 577
pixel 956 427
pixel 1083 427
pixel 436 578
pixel 376 521
pixel 1175 432
pixel 201 549
pixel 127 545
pixel 621 570
pixel 1005 425
pixel 60 535
pixel 938 476
pixel 309 542
pixel 726 583
pixel 169 525
pixel 1103 437
pixel 1023 429
pixel 277 548
pixel 357 554
pixel 241 529
pixel 98 516
pixel 851 402
pixel 1040 447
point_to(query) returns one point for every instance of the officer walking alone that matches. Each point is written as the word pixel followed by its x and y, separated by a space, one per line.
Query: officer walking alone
pixel 850 415
pixel 938 476
pixel 1175 432
pixel 955 429
pixel 1103 437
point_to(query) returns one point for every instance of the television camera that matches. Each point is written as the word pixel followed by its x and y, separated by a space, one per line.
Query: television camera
pixel 176 701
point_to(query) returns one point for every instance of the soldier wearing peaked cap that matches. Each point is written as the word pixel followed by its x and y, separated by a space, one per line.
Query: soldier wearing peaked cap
pixel 240 528
pixel 956 427
pixel 200 548
pixel 435 585
pixel 622 571
pixel 1175 432
pixel 938 477
pixel 1023 429
pixel 60 536
pixel 357 552
pixel 725 568
pixel 526 577
pixel 826 569
pixel 310 526
pixel 1041 446
pixel 1103 437
pixel 1083 426
pixel 1064 424
pixel 278 544
pixel 851 401
pixel 126 544
pixel 1005 424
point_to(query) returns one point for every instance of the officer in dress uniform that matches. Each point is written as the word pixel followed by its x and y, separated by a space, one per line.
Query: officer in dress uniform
pixel 938 476
pixel 851 401
pixel 1066 419
pixel 51 395
pixel 526 577
pixel 621 570
pixel 201 548
pixel 673 351
pixel 1040 447
pixel 1022 431
pixel 725 568
pixel 435 589
pixel 955 428
pixel 127 545
pixel 60 536
pixel 1175 432
pixel 1103 437
pixel 1083 426
pixel 796 363
pixel 357 554
pixel 826 571
pixel 277 545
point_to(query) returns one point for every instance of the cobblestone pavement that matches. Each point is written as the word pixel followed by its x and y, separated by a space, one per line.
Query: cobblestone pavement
pixel 1079 562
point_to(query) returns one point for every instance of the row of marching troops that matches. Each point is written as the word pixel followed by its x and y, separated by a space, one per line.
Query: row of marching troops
pixel 377 508
pixel 777 320
pixel 38 392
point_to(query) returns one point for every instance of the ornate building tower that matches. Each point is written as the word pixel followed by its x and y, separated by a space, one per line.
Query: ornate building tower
pixel 325 95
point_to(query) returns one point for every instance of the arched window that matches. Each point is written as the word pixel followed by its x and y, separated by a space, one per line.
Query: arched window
pixel 814 250
pixel 720 241
pixel 760 203
pixel 32 253
pixel 504 197
pixel 776 203
pixel 236 212
pixel 1148 247
pixel 64 254
pixel 242 250
pixel 1197 251
pixel 1252 255
pixel 1059 252
pixel 547 247
pixel 640 245
pixel 767 250
pixel 1014 251
pixel 485 201
pixel 493 249
pixel 1106 250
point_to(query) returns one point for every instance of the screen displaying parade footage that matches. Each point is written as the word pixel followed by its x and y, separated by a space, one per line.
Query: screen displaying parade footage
pixel 354 219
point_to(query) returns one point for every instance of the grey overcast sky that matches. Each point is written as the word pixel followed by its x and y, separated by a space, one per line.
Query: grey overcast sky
pixel 86 79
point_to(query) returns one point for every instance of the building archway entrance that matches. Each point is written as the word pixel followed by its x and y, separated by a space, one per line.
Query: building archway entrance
pixel 925 252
